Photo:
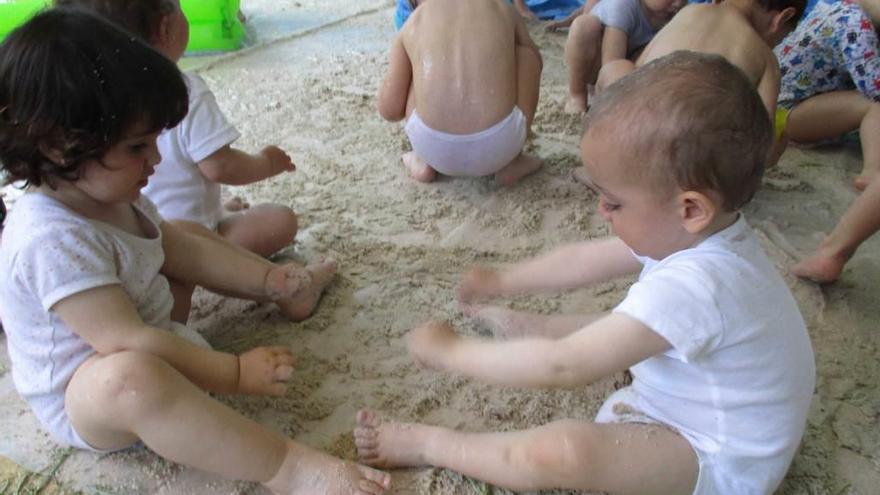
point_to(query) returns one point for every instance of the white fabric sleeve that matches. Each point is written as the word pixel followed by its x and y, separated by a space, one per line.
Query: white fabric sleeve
pixel 672 303
pixel 68 260
pixel 620 14
pixel 205 129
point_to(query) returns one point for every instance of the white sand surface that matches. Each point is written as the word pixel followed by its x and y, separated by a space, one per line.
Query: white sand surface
pixel 402 247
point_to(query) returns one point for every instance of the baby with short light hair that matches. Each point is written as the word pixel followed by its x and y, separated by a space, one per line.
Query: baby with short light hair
pixel 723 370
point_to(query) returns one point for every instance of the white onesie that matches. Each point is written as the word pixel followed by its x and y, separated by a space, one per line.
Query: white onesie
pixel 178 188
pixel 738 381
pixel 49 253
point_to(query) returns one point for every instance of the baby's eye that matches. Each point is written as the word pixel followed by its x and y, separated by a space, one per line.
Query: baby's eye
pixel 137 148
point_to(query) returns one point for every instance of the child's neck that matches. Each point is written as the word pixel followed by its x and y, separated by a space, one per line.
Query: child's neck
pixel 78 201
pixel 720 222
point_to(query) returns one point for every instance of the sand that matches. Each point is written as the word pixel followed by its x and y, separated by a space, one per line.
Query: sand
pixel 402 247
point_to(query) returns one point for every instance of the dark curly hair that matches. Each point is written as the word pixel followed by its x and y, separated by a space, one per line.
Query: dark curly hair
pixel 141 17
pixel 71 85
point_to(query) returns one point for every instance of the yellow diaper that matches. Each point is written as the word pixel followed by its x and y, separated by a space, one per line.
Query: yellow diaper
pixel 781 121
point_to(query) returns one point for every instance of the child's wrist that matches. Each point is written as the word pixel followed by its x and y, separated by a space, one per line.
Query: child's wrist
pixel 236 376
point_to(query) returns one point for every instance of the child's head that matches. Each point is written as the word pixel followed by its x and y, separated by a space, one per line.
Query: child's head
pixel 161 23
pixel 675 147
pixel 774 19
pixel 74 86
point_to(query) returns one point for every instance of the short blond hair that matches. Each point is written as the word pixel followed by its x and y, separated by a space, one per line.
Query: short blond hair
pixel 690 120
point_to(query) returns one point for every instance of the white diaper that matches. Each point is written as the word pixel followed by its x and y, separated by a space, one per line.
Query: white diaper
pixel 469 155
pixel 54 417
pixel 622 407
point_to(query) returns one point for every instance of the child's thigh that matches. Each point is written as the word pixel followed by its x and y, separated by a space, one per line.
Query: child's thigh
pixel 620 458
pixel 827 116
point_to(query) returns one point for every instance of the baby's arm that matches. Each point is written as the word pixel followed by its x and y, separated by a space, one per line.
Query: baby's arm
pixel 574 265
pixel 564 23
pixel 228 269
pixel 117 327
pixel 611 344
pixel 394 91
pixel 768 87
pixel 234 167
pixel 614 44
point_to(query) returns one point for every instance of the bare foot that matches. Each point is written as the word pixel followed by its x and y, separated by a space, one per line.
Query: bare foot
pixel 307 471
pixel 520 167
pixel 236 204
pixel 300 305
pixel 576 104
pixel 821 267
pixel 418 169
pixel 389 444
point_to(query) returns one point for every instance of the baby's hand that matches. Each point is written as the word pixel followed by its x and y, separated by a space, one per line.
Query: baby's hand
pixel 263 371
pixel 286 280
pixel 479 283
pixel 428 343
pixel 279 161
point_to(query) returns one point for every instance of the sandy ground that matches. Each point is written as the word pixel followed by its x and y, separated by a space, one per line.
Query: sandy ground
pixel 402 247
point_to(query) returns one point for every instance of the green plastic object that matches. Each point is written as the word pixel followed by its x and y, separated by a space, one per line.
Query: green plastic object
pixel 17 13
pixel 213 24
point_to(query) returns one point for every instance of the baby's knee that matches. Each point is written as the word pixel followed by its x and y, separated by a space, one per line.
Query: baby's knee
pixel 281 220
pixel 131 382
pixel 558 450
pixel 586 28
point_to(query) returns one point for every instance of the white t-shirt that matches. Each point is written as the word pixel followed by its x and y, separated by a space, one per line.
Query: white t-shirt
pixel 739 378
pixel 627 16
pixel 49 253
pixel 178 188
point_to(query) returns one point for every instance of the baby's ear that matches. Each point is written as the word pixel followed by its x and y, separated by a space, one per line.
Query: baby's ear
pixel 51 151
pixel 697 211
pixel 783 21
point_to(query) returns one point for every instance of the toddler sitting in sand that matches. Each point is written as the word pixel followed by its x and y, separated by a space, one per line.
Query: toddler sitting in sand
pixel 465 75
pixel 722 366
pixel 612 30
pixel 196 155
pixel 84 300
pixel 741 31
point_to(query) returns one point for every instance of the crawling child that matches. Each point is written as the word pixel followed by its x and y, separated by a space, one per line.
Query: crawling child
pixel 465 75
pixel 741 31
pixel 722 366
pixel 84 299
pixel 197 156
pixel 611 30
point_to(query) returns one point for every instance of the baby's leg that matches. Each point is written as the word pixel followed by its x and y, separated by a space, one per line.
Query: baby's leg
pixel 263 229
pixel 115 400
pixel 612 72
pixel 509 324
pixel 582 56
pixel 830 115
pixel 616 458
pixel 859 222
pixel 418 169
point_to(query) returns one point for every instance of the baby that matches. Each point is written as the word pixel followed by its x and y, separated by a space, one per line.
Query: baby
pixel 612 30
pixel 741 31
pixel 197 155
pixel 465 75
pixel 722 365
pixel 84 299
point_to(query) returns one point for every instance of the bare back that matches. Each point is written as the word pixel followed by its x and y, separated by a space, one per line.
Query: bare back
pixel 713 28
pixel 463 56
